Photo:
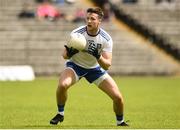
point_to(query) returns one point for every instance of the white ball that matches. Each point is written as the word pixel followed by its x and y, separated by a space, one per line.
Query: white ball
pixel 77 41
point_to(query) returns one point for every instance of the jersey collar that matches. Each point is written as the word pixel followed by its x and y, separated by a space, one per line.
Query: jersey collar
pixel 92 35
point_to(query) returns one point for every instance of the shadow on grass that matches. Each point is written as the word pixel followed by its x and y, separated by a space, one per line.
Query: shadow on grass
pixel 70 127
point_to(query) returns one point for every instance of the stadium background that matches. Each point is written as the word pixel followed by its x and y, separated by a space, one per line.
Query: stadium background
pixel 39 44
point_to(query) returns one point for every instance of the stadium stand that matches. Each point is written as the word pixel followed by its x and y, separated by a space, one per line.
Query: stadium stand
pixel 40 44
pixel 161 20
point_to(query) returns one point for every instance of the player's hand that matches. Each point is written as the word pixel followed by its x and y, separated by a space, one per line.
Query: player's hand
pixel 70 51
pixel 94 51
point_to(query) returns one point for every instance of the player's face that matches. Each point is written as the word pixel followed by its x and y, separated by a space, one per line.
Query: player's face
pixel 92 21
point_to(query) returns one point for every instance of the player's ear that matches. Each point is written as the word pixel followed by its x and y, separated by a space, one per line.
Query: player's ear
pixel 100 20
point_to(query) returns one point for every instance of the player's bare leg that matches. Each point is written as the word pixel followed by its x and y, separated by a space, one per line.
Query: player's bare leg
pixel 67 79
pixel 111 89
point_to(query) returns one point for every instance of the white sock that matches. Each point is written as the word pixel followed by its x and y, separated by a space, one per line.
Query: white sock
pixel 61 113
pixel 119 122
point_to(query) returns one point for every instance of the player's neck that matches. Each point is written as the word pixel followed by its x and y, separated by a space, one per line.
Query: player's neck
pixel 93 32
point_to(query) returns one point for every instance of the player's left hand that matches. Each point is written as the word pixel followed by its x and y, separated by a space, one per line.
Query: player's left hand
pixel 94 51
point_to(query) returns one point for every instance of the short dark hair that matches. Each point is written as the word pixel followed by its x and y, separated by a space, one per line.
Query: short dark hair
pixel 96 10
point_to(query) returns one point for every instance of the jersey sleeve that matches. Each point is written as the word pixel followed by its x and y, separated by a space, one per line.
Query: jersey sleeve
pixel 80 29
pixel 108 46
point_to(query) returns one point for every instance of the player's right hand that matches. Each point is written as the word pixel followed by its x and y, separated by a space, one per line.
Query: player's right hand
pixel 71 51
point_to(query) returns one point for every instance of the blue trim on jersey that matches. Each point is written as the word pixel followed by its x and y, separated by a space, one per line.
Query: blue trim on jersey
pixel 103 34
pixel 90 74
pixel 82 30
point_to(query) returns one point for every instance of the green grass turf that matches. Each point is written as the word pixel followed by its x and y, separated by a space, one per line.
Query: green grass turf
pixel 150 102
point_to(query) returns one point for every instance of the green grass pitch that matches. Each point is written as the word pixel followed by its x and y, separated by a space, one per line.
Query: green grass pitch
pixel 150 102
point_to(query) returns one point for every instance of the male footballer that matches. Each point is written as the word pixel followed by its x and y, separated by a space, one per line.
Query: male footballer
pixel 91 64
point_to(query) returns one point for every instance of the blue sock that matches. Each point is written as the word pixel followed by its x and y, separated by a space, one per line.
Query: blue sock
pixel 61 109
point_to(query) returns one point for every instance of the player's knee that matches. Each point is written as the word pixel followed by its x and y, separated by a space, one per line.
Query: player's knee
pixel 63 85
pixel 118 99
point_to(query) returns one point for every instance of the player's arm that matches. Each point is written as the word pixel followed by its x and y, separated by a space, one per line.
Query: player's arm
pixel 105 60
pixel 64 54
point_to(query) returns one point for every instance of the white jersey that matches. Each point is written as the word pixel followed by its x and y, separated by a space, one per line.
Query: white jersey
pixel 102 41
